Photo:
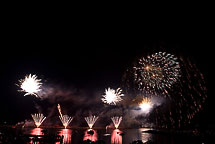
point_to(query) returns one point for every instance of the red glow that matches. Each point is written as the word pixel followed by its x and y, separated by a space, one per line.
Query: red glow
pixel 116 138
pixel 67 133
pixel 36 131
pixel 92 137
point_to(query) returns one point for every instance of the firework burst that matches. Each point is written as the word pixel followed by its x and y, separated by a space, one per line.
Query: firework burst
pixel 145 105
pixel 91 120
pixel 156 72
pixel 112 96
pixel 38 119
pixel 65 119
pixel 183 92
pixel 31 85
pixel 116 121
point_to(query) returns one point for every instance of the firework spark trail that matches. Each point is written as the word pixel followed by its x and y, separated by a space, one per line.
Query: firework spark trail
pixel 182 88
pixel 59 109
pixel 31 85
pixel 157 72
pixel 112 96
pixel 38 119
pixel 184 101
pixel 116 121
pixel 191 93
pixel 65 119
pixel 145 105
pixel 91 120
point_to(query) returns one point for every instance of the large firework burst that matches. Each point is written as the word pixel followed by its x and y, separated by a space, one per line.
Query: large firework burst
pixel 31 85
pixel 156 72
pixel 112 96
pixel 183 91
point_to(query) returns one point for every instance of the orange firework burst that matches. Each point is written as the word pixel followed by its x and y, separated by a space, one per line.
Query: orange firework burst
pixel 145 105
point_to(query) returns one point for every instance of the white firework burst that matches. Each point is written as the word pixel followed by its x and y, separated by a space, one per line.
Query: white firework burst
pixel 31 85
pixel 112 96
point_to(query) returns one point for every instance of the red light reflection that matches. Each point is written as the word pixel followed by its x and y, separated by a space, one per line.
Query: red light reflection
pixel 67 134
pixel 91 135
pixel 37 131
pixel 116 138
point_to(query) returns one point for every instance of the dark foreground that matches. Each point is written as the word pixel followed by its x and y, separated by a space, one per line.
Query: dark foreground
pixel 10 135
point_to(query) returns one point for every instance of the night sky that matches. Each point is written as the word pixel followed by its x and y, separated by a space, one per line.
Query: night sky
pixel 91 59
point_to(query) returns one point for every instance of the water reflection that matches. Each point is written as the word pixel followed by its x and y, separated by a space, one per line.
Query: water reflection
pixel 66 133
pixel 113 137
pixel 37 131
pixel 145 137
pixel 91 135
pixel 116 137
